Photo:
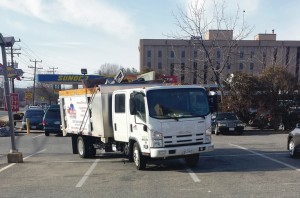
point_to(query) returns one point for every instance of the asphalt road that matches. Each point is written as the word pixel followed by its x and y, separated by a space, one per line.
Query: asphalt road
pixel 256 164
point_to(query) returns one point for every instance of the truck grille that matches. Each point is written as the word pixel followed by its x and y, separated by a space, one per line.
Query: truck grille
pixel 183 140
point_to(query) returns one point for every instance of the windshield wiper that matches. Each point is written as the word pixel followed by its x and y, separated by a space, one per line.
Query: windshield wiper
pixel 173 117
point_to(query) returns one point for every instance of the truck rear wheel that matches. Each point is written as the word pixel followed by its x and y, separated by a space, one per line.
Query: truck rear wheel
pixel 139 160
pixel 74 144
pixel 85 147
pixel 192 160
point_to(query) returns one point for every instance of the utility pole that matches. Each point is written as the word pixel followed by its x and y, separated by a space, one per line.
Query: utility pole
pixel 53 72
pixel 14 156
pixel 33 93
pixel 53 69
pixel 12 65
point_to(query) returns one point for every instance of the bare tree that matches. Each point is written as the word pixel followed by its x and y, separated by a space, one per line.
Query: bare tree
pixel 193 25
pixel 46 91
pixel 109 69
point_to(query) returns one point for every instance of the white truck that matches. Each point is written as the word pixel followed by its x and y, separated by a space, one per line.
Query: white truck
pixel 143 121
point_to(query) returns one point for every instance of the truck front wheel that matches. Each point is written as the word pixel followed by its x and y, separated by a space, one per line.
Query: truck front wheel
pixel 139 160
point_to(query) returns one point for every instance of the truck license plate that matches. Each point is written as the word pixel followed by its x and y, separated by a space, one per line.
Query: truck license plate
pixel 33 127
pixel 188 151
pixel 231 129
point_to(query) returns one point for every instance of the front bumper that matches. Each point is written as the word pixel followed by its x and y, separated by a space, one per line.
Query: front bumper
pixel 180 150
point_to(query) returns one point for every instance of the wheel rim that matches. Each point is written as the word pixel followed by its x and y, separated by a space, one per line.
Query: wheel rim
pixel 136 156
pixel 216 130
pixel 291 147
pixel 80 147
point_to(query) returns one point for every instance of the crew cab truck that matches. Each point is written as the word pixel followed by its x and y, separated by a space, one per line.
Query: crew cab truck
pixel 142 121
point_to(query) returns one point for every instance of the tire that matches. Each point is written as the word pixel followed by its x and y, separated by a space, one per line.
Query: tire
pixel 139 160
pixel 85 147
pixel 46 133
pixel 212 131
pixel 192 160
pixel 74 144
pixel 128 152
pixel 217 131
pixel 292 151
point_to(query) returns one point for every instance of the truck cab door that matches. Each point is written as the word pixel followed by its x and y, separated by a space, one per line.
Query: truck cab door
pixel 119 117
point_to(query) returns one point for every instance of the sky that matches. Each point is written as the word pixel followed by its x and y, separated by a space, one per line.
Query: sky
pixel 68 35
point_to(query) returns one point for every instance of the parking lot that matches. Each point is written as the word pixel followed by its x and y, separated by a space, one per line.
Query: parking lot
pixel 255 164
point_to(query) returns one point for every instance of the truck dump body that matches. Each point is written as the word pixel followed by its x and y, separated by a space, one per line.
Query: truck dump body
pixel 89 111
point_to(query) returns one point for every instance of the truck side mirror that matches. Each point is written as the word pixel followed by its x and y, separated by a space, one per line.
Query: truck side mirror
pixel 132 106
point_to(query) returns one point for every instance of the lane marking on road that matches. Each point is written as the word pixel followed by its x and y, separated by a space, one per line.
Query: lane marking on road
pixel 87 174
pixel 10 165
pixel 37 136
pixel 266 157
pixel 34 154
pixel 239 155
pixel 193 175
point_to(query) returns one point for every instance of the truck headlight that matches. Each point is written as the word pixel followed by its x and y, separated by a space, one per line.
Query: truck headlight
pixel 156 135
pixel 157 139
pixel 157 143
pixel 208 135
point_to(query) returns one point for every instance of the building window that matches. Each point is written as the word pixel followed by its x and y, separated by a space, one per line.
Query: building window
pixel 149 53
pixel 218 54
pixel 182 72
pixel 228 66
pixel 195 53
pixel 241 66
pixel 159 66
pixel 172 69
pixel 251 66
pixel 159 54
pixel 205 73
pixel 241 55
pixel 195 73
pixel 287 56
pixel 183 54
pixel 264 60
pixel 149 64
pixel 252 53
pixel 218 65
pixel 172 54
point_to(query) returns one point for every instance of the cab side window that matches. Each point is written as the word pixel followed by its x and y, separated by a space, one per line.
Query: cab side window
pixel 120 103
pixel 140 107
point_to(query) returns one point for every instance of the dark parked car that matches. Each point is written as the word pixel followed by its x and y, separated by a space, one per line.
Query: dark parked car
pixel 226 122
pixel 293 142
pixel 35 117
pixel 51 120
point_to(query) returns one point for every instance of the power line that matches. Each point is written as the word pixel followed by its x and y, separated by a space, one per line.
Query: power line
pixel 35 61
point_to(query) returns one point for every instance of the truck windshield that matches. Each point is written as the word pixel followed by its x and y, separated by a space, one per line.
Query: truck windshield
pixel 177 103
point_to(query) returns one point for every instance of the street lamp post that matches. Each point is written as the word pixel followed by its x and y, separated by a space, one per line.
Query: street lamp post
pixel 14 156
